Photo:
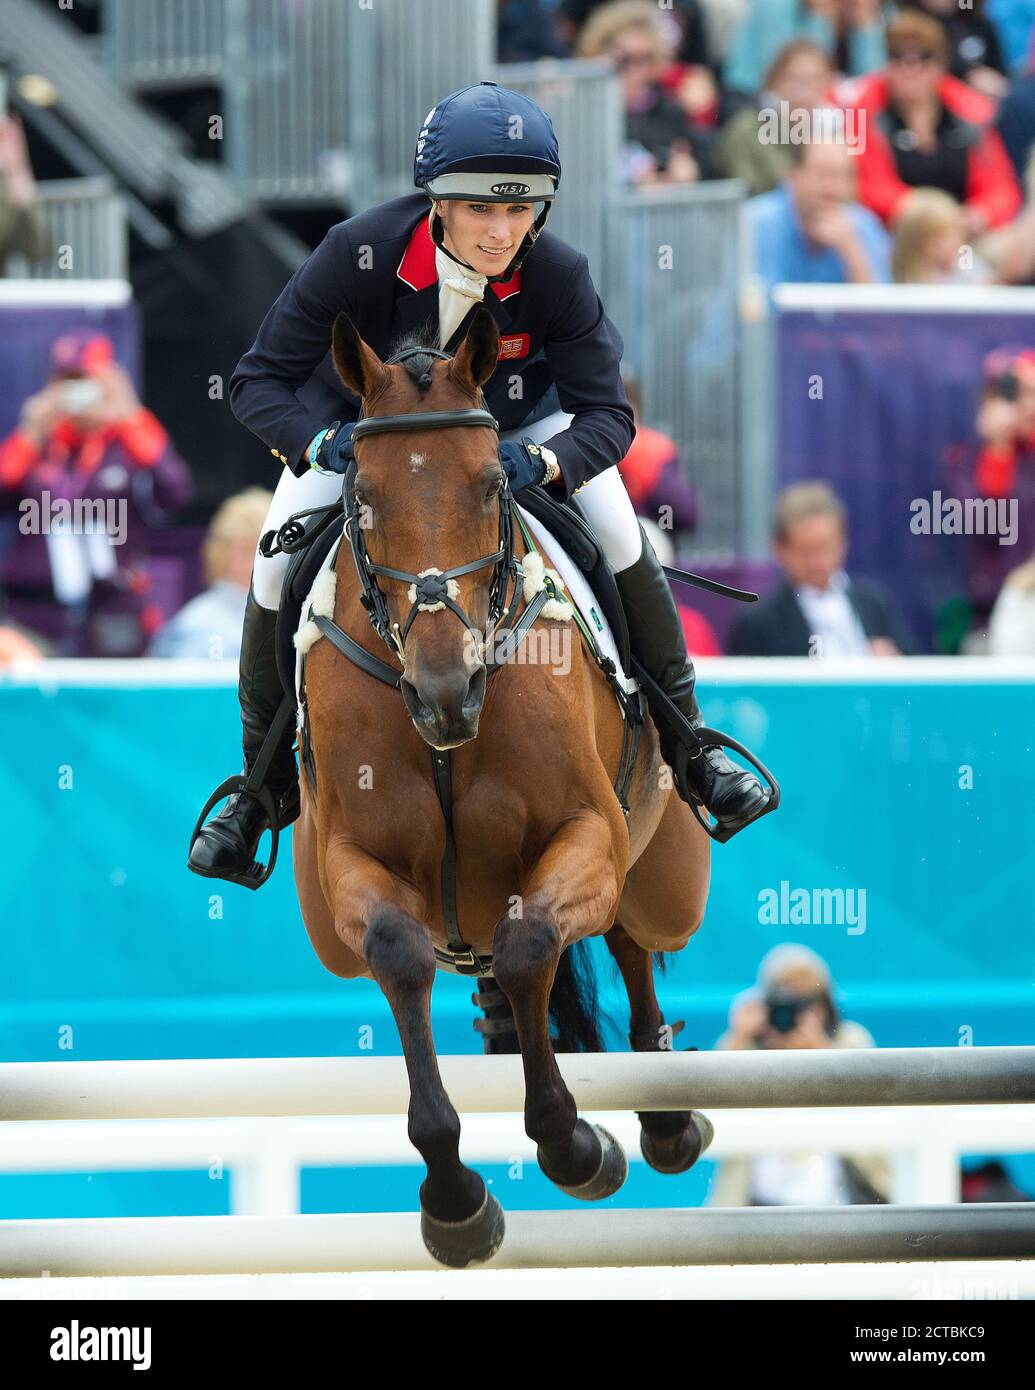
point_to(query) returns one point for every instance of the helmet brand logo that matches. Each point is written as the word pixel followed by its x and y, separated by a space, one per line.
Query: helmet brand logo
pixel 510 189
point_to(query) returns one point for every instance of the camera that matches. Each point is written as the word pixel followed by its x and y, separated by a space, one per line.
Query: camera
pixel 79 395
pixel 1005 386
pixel 784 1007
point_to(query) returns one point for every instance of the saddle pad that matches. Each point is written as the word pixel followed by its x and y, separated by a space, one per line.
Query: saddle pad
pixel 575 584
pixel 578 590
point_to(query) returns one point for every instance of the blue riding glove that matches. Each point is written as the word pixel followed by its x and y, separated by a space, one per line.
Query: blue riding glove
pixel 331 450
pixel 523 463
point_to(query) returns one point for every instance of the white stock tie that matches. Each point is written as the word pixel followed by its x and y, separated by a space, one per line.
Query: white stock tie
pixel 457 288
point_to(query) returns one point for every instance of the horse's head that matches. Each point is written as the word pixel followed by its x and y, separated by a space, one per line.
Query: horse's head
pixel 428 502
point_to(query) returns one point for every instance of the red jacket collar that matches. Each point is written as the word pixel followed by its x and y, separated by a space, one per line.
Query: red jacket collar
pixel 417 267
pixel 969 105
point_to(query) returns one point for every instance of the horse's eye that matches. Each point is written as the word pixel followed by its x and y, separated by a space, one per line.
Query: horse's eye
pixel 494 487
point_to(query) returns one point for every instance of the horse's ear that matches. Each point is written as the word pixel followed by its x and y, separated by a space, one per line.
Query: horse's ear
pixel 477 355
pixel 358 365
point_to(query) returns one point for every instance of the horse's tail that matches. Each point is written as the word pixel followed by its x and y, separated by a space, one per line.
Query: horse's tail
pixel 575 1002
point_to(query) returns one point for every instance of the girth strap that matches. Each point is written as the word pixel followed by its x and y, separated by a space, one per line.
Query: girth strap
pixel 461 958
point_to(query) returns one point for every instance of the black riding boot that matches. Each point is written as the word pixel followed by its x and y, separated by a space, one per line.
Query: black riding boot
pixel 732 795
pixel 227 844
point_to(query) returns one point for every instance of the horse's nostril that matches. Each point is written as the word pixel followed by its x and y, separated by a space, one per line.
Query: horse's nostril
pixel 421 712
pixel 475 693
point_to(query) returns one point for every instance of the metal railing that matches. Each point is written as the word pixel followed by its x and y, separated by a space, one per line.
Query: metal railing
pixel 164 43
pixel 285 89
pixel 323 99
pixel 671 285
pixel 403 58
pixel 88 231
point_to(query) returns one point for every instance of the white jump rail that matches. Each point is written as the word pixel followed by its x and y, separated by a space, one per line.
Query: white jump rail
pixel 535 1240
pixel 598 1081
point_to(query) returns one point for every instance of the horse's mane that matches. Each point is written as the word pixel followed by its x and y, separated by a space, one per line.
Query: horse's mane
pixel 418 367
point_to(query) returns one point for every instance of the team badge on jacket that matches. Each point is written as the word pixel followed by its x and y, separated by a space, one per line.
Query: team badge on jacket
pixel 514 345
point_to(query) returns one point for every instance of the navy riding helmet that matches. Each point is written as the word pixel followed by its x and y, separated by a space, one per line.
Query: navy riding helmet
pixel 488 144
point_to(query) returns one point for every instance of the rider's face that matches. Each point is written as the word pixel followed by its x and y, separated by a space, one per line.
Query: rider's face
pixel 475 231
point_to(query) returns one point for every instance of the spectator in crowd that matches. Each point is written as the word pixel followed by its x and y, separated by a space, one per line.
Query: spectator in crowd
pixel 687 33
pixel 929 243
pixel 850 32
pixel 793 1006
pixel 975 54
pixel 527 30
pixel 662 144
pixel 1011 629
pixel 811 231
pixel 653 475
pixel 89 470
pixel 209 626
pixel 926 129
pixel 1005 469
pixel 817 610
pixel 23 226
pixel 797 83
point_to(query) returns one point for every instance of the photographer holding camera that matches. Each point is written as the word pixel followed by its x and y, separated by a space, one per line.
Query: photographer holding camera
pixel 88 472
pixel 792 1006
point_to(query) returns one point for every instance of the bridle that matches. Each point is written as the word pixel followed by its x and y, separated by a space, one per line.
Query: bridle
pixel 432 589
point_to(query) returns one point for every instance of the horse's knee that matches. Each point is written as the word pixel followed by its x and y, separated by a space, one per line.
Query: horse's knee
pixel 398 949
pixel 524 950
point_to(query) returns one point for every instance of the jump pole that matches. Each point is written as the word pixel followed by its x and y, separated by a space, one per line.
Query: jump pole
pixel 534 1240
pixel 284 1086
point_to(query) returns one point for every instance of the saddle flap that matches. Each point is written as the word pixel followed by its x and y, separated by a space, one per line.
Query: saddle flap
pixel 302 570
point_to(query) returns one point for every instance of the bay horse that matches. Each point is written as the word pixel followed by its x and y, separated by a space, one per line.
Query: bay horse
pixel 544 856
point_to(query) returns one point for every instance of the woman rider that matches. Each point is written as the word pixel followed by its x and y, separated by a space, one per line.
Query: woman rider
pixel 392 268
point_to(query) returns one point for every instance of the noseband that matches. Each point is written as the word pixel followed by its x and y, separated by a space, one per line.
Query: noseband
pixel 432 589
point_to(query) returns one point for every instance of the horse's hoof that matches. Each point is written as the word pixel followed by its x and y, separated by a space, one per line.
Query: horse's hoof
pixel 462 1243
pixel 677 1154
pixel 612 1172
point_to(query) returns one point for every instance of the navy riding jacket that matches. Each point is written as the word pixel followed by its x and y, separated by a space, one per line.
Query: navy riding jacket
pixel 379 268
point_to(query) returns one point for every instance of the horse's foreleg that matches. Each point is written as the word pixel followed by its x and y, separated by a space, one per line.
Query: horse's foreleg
pixel 572 892
pixel 460 1221
pixel 671 1140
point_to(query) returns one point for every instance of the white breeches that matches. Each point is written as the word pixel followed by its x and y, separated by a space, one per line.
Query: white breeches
pixel 603 499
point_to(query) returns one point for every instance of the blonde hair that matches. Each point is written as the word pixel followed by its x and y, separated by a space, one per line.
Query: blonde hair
pixel 925 212
pixel 605 24
pixel 239 519
pixel 801 500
